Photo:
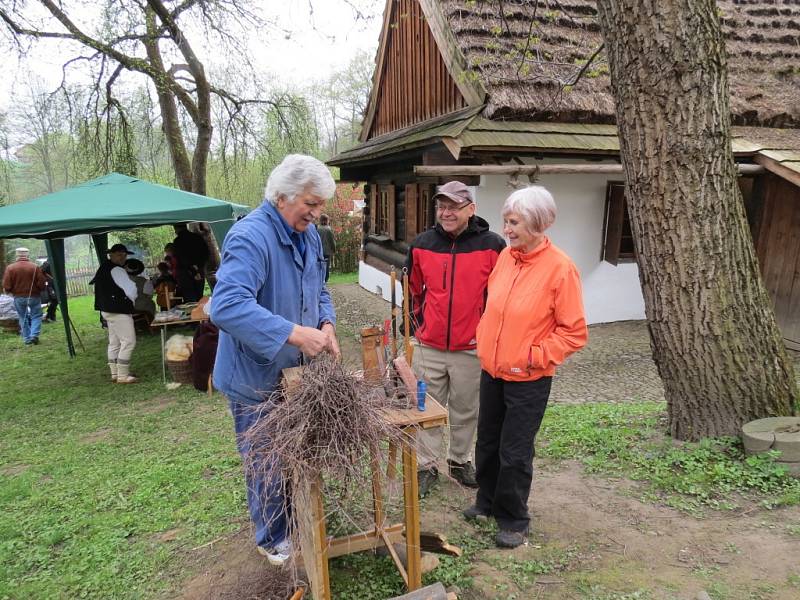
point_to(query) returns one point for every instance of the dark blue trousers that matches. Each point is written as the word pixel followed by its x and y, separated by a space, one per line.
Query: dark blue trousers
pixel 508 421
pixel 265 492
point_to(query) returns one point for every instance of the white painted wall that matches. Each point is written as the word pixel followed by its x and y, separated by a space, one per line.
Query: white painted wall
pixel 376 281
pixel 610 293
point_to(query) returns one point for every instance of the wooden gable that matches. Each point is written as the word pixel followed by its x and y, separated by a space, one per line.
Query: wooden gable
pixel 413 80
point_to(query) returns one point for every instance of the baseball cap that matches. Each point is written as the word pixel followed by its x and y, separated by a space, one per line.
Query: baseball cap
pixel 454 191
pixel 119 248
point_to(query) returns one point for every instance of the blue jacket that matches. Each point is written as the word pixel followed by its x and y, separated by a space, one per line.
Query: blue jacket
pixel 263 289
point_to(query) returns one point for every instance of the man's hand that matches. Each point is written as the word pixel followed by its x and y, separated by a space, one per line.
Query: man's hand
pixel 310 341
pixel 329 330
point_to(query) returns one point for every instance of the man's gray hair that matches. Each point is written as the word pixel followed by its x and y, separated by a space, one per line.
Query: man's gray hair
pixel 535 205
pixel 299 173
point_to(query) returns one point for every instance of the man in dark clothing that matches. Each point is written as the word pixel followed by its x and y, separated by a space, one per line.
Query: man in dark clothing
pixel 328 243
pixel 449 269
pixel 191 253
pixel 25 281
pixel 114 295
pixel 49 296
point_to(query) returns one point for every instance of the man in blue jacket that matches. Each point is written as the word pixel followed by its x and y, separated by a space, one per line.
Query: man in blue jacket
pixel 272 307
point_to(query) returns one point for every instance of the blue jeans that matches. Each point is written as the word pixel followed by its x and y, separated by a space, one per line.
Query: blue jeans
pixel 265 493
pixel 30 316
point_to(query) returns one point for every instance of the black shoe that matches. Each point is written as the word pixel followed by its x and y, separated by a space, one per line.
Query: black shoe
pixel 473 513
pixel 510 539
pixel 427 478
pixel 35 341
pixel 463 473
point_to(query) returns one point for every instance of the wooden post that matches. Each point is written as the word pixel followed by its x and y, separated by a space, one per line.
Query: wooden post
pixel 371 356
pixel 407 319
pixel 411 497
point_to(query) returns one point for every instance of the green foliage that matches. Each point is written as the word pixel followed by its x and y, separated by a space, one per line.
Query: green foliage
pixel 105 487
pixel 625 440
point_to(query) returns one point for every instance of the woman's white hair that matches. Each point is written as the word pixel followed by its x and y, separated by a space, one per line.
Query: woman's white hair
pixel 297 174
pixel 535 205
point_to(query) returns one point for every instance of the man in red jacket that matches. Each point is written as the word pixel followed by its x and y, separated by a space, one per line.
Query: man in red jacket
pixel 449 268
pixel 24 280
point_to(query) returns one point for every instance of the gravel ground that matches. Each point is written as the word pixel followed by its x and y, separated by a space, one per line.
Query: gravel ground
pixel 615 366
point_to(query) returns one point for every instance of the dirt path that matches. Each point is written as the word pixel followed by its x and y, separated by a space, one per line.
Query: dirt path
pixel 592 538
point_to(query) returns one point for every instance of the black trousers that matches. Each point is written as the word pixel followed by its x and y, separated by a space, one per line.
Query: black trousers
pixel 509 419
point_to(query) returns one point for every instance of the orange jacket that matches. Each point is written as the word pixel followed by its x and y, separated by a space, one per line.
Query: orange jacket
pixel 534 314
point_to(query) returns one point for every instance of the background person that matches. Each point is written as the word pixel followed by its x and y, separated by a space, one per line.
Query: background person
pixel 271 306
pixel 49 295
pixel 191 252
pixel 164 285
pixel 24 280
pixel 114 295
pixel 328 243
pixel 144 289
pixel 448 269
pixel 534 319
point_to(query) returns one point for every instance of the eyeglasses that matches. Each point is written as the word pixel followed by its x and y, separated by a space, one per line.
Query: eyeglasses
pixel 453 208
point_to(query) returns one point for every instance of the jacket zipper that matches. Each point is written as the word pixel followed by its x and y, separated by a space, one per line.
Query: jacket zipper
pixel 452 284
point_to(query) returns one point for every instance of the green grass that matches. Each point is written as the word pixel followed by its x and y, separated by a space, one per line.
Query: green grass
pixel 626 440
pixel 105 489
pixel 92 475
pixel 343 278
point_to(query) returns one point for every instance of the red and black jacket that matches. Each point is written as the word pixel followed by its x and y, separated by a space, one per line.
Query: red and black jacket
pixel 447 283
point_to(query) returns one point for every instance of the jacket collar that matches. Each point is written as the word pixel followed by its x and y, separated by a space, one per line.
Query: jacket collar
pixel 525 257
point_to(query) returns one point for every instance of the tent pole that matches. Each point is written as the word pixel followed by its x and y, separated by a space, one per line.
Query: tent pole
pixel 55 253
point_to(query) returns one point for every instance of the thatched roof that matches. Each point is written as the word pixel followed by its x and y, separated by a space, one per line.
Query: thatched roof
pixel 559 36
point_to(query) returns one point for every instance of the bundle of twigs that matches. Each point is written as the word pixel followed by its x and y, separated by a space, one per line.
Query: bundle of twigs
pixel 323 424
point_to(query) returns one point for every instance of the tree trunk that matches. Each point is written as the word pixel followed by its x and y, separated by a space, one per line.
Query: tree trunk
pixel 712 329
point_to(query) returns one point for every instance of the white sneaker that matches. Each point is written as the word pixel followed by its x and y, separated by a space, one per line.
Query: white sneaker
pixel 278 554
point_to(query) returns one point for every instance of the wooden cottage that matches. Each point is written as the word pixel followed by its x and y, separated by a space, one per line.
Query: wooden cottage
pixel 492 92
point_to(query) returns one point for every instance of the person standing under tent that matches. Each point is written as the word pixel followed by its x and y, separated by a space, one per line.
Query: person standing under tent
pixel 114 295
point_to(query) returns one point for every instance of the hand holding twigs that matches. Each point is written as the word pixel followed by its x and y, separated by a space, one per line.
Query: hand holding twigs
pixel 311 341
pixel 329 330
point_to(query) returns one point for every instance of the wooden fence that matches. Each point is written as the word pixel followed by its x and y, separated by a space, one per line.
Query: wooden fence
pixel 78 281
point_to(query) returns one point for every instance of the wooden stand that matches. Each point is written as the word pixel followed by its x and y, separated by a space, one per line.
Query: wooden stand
pixel 317 548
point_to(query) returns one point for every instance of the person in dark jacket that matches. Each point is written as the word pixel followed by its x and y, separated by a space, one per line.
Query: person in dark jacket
pixel 114 295
pixel 49 296
pixel 448 269
pixel 191 253
pixel 328 243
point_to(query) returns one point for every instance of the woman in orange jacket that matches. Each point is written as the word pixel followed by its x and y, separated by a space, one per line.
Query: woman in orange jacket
pixel 533 320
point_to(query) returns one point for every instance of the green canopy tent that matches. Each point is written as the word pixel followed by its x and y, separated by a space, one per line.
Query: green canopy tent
pixel 110 203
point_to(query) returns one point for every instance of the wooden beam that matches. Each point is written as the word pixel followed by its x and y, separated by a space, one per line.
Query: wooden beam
pixel 570 169
pixel 772 166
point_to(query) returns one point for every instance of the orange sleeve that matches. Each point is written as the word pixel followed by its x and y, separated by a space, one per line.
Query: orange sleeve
pixel 571 333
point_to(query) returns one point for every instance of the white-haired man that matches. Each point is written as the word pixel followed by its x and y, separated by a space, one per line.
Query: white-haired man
pixel 449 268
pixel 25 281
pixel 271 306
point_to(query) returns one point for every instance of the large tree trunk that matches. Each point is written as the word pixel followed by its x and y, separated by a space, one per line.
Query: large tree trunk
pixel 712 328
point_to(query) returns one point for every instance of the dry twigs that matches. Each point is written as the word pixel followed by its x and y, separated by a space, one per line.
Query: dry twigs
pixel 326 426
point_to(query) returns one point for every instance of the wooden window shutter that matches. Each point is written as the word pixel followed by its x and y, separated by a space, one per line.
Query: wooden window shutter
pixel 412 219
pixel 392 226
pixel 373 208
pixel 615 217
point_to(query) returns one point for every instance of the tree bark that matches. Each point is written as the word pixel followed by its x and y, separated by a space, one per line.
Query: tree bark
pixel 712 329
